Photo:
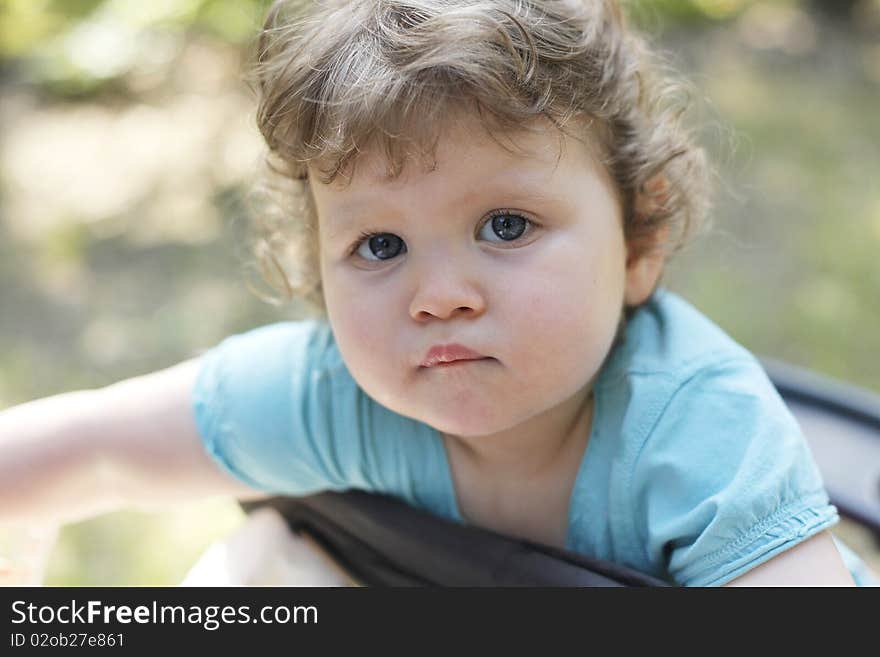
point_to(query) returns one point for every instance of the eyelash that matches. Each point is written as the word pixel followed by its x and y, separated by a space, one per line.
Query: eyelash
pixel 530 225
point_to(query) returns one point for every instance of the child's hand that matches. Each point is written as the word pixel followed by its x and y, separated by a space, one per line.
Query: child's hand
pixel 24 553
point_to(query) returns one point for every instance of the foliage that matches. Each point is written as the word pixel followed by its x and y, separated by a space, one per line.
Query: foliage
pixel 80 47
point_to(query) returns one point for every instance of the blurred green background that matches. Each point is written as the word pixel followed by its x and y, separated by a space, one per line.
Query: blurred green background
pixel 127 149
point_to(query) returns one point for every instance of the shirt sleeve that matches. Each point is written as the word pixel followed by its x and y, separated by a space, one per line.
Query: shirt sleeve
pixel 725 480
pixel 277 408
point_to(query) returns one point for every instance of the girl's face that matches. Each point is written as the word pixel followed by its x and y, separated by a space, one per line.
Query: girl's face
pixel 520 258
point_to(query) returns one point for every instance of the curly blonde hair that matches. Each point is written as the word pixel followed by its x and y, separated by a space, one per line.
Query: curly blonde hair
pixel 335 78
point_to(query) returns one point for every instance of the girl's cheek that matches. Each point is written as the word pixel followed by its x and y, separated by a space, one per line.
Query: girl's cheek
pixel 361 326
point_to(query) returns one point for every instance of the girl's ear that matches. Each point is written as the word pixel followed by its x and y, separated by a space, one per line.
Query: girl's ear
pixel 643 272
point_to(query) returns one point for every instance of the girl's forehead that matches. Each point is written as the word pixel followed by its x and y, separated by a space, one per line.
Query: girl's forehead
pixel 468 146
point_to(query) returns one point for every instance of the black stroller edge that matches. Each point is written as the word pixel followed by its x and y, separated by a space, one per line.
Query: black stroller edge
pixel 382 541
pixel 822 392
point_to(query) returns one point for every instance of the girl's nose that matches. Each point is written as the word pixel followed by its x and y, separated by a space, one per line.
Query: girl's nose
pixel 445 291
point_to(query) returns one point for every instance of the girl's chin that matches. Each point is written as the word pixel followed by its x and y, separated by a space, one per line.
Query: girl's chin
pixel 466 427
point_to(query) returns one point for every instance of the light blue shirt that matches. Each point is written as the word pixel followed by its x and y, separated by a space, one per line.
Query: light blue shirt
pixel 695 470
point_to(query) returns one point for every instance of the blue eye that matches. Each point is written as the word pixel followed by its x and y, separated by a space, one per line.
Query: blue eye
pixel 379 246
pixel 508 226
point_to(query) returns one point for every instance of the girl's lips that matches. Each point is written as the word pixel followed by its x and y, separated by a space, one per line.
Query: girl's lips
pixel 442 355
pixel 457 363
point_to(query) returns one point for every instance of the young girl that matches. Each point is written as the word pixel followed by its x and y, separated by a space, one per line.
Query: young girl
pixel 486 194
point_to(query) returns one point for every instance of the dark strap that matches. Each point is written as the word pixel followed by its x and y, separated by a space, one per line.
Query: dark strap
pixel 382 541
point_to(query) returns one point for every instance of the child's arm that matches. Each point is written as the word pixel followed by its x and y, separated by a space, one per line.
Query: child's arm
pixel 815 562
pixel 78 454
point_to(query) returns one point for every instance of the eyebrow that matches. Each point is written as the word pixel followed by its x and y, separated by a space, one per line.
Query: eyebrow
pixel 349 216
